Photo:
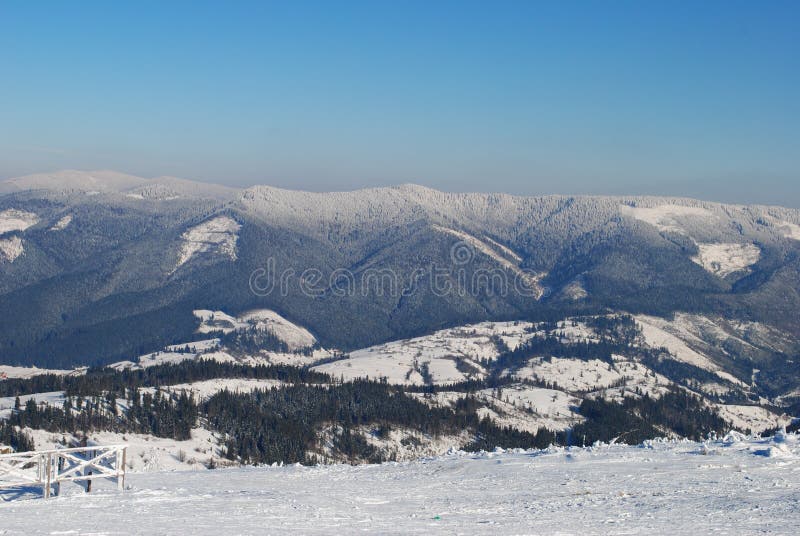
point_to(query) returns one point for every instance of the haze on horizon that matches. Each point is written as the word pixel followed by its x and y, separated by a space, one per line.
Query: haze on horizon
pixel 662 98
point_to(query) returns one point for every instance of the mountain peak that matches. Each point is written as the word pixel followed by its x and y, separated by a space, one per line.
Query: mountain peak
pixel 72 179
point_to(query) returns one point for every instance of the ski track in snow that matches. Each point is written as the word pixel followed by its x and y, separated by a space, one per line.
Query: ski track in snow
pixel 731 486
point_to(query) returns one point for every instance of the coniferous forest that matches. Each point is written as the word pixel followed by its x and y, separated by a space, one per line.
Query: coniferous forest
pixel 311 417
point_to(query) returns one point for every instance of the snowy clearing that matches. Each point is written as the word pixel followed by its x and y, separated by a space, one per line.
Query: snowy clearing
pixel 8 371
pixel 725 259
pixel 11 248
pixel 296 337
pixel 731 486
pixel 62 224
pixel 656 335
pixel 450 355
pixel 666 218
pixel 55 398
pixel 203 390
pixel 218 235
pixel 16 220
pixel 789 230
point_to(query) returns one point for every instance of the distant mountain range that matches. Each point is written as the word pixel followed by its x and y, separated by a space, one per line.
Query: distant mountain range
pixel 97 267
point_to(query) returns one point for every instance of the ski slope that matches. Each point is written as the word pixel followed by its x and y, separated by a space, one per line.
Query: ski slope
pixel 731 486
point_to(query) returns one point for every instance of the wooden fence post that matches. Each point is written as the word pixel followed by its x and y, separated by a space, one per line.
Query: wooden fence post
pixel 48 470
pixel 59 468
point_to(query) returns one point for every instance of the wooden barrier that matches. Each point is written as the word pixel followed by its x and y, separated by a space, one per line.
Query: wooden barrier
pixel 48 468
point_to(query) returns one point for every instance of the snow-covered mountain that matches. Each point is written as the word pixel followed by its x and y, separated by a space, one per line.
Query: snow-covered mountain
pixel 99 267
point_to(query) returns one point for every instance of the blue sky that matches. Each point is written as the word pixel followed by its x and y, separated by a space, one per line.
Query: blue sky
pixel 680 98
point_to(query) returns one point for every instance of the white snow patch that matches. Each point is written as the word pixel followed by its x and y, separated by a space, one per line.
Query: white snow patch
pixel 195 346
pixel 754 418
pixel 529 408
pixel 7 403
pixel 575 290
pixel 505 249
pixel 665 217
pixel 788 229
pixel 658 333
pixel 62 224
pixel 296 337
pixel 442 353
pixel 11 248
pixel 211 321
pixel 217 235
pixel 8 371
pixel 654 331
pixel 725 259
pixel 612 381
pixel 16 220
pixel 203 390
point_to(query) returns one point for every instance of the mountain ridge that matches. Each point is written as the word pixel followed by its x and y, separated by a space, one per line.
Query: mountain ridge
pixel 91 261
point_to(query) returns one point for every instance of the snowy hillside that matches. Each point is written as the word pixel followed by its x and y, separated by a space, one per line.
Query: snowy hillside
pixel 734 485
pixel 16 220
pixel 216 236
pixel 447 356
pixel 11 248
pixel 725 259
pixel 541 391
pixel 164 246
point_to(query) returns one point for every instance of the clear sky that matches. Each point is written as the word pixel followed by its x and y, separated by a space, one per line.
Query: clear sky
pixel 696 98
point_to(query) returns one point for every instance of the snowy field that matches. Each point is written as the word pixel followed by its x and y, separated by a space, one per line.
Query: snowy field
pixel 732 486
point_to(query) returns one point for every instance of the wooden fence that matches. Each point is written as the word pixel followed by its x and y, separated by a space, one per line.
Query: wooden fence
pixel 50 468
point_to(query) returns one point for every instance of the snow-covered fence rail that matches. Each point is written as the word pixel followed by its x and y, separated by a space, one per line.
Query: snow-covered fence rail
pixel 48 468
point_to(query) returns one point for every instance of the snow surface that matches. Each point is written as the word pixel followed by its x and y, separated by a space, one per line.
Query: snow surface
pixel 217 235
pixel 667 218
pixel 595 377
pixel 656 335
pixel 62 224
pixel 754 418
pixel 55 398
pixel 528 408
pixel 11 248
pixel 789 230
pixel 296 337
pixel 505 249
pixel 28 372
pixel 146 453
pixel 575 289
pixel 16 220
pixel 203 390
pixel 443 352
pixel 735 485
pixel 725 259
